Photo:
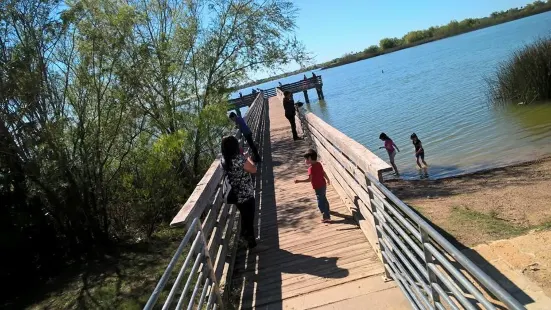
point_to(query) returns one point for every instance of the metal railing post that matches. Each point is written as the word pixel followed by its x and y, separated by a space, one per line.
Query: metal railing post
pixel 210 267
pixel 387 276
pixel 429 259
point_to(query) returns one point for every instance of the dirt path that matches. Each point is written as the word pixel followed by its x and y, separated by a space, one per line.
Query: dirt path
pixel 499 204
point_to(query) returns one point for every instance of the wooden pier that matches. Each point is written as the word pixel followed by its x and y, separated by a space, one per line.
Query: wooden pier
pixel 303 86
pixel 377 253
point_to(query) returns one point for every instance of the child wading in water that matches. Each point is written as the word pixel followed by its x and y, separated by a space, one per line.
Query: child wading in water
pixel 420 154
pixel 391 148
pixel 319 180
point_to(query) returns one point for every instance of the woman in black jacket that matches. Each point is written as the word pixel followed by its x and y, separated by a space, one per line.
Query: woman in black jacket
pixel 239 170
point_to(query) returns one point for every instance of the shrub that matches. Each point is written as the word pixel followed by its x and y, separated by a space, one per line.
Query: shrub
pixel 525 77
pixel 372 49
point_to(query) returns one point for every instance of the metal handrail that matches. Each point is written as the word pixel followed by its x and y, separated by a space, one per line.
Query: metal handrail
pixel 431 272
pixel 203 253
pixel 199 250
pixel 395 220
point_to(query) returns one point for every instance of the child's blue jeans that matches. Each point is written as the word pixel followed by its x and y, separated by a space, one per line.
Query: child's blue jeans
pixel 323 204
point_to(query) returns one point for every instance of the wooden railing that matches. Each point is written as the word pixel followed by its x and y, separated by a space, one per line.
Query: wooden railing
pixel 243 101
pixel 211 226
pixel 430 271
pixel 302 85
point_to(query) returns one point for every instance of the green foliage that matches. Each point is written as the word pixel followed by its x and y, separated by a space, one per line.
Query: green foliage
pixel 111 111
pixel 416 36
pixel 388 43
pixel 372 49
pixel 525 77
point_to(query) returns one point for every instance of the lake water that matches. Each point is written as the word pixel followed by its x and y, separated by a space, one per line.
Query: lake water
pixel 439 91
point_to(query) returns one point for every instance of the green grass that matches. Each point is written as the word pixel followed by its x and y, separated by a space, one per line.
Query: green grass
pixel 122 282
pixel 489 223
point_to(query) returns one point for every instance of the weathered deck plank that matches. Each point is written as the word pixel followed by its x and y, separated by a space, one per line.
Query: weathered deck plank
pixel 305 258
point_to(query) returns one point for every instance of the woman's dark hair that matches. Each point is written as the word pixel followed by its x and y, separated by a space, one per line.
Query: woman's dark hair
pixel 383 136
pixel 413 135
pixel 230 149
pixel 286 93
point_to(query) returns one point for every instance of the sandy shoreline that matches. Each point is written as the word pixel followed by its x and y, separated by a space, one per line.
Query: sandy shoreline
pixel 517 195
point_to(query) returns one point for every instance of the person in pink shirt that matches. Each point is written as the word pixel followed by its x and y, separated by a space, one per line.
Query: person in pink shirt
pixel 391 148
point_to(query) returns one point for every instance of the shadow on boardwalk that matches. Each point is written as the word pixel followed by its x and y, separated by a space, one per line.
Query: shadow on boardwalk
pixel 258 275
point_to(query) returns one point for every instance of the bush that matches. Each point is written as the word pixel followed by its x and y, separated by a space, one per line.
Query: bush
pixel 373 49
pixel 526 76
pixel 388 43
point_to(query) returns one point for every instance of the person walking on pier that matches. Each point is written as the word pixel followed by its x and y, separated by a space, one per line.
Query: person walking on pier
pixel 319 180
pixel 247 133
pixel 419 154
pixel 290 112
pixel 239 170
pixel 391 149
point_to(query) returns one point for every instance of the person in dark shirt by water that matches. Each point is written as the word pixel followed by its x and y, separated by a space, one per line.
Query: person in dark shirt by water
pixel 247 133
pixel 319 180
pixel 290 112
pixel 420 154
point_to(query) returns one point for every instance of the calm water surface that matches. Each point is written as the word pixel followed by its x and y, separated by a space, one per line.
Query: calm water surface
pixel 439 91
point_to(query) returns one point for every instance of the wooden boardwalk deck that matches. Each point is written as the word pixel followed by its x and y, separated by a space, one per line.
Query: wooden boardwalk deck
pixel 307 264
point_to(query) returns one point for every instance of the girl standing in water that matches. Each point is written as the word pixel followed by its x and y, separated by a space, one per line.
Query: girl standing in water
pixel 391 148
pixel 419 153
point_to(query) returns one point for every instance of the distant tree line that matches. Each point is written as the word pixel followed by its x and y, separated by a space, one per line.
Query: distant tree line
pixel 417 37
pixel 111 111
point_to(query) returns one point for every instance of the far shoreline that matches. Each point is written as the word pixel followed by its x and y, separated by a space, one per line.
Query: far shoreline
pixel 406 46
pixel 335 63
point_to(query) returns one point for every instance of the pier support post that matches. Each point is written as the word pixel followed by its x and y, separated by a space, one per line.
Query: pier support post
pixel 306 96
pixel 319 90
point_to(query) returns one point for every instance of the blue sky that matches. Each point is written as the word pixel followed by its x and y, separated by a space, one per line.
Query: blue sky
pixel 331 28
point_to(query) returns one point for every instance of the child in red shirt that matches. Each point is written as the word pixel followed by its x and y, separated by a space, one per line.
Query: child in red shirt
pixel 319 180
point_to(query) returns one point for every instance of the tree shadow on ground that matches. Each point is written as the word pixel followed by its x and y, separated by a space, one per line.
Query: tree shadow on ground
pixel 258 275
pixel 124 279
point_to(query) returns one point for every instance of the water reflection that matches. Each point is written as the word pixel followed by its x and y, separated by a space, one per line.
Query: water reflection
pixel 323 107
pixel 534 117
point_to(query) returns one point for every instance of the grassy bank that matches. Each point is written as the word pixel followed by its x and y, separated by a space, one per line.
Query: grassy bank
pixel 525 77
pixel 121 281
pixel 486 206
